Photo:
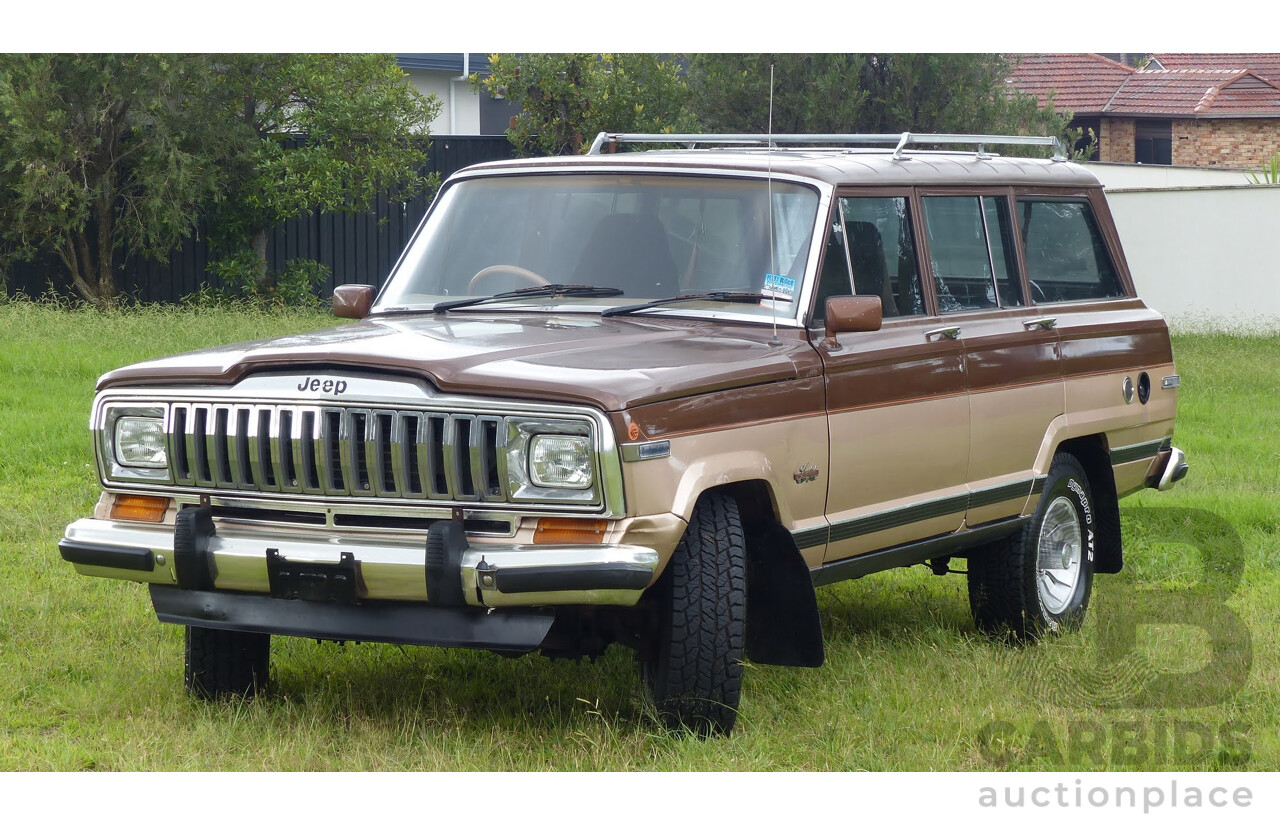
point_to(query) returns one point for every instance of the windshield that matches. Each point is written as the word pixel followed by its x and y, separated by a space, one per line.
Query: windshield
pixel 651 236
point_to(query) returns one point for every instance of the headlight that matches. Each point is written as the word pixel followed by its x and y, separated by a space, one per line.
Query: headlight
pixel 551 461
pixel 132 445
pixel 562 461
pixel 139 442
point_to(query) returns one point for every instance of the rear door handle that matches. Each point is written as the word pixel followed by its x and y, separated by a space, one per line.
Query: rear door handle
pixel 947 332
pixel 1043 323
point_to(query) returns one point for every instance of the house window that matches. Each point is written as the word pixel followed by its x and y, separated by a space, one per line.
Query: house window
pixel 1153 142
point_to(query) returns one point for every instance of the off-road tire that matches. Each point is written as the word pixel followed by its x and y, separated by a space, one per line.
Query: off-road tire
pixel 1004 591
pixel 225 663
pixel 693 671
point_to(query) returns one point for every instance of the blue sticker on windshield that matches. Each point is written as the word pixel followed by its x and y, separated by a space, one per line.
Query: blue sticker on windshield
pixel 778 286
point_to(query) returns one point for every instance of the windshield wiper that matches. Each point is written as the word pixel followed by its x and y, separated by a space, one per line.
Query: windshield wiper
pixel 544 290
pixel 726 297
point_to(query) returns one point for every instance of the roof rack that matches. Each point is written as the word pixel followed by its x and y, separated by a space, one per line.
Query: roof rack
pixel 899 141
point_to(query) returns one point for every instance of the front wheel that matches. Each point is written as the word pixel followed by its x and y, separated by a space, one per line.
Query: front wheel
pixel 1039 579
pixel 693 670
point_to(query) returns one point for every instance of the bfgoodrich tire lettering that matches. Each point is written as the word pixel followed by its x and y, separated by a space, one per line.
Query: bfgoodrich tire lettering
pixel 693 671
pixel 225 663
pixel 1040 578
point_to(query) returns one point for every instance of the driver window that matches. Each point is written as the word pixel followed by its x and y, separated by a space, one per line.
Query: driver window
pixel 881 252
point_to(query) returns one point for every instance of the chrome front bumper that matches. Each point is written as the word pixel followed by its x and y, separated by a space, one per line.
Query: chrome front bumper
pixel 388 568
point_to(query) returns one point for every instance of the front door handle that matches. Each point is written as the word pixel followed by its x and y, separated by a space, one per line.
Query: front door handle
pixel 947 332
pixel 1043 323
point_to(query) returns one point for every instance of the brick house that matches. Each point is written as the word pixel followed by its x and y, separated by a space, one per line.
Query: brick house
pixel 1178 109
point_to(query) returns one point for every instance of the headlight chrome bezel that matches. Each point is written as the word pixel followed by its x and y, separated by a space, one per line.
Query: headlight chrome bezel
pixel 114 464
pixel 523 486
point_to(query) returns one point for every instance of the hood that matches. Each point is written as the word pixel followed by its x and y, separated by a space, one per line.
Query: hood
pixel 610 363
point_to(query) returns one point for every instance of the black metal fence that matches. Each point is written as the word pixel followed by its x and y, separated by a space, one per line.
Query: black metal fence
pixel 358 249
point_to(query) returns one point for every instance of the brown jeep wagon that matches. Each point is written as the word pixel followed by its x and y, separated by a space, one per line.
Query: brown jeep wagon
pixel 654 398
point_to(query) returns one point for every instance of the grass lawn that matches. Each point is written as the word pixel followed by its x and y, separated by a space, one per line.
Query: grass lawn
pixel 89 680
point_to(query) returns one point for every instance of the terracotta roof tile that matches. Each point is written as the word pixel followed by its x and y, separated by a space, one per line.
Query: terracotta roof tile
pixel 1202 85
pixel 1261 64
pixel 1080 82
pixel 1191 92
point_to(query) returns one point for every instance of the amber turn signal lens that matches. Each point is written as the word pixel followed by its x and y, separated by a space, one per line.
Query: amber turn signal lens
pixel 139 508
pixel 569 531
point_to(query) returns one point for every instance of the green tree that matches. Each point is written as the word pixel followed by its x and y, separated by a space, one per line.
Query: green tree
pixel 812 93
pixel 323 132
pixel 568 98
pixel 99 153
pixel 867 93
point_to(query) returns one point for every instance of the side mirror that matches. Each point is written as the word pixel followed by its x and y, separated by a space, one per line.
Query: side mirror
pixel 352 301
pixel 851 313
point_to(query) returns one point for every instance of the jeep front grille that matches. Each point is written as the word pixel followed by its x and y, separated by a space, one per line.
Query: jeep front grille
pixel 339 451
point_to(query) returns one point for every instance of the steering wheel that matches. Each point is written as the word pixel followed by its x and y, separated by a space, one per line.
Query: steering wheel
pixel 1037 294
pixel 497 270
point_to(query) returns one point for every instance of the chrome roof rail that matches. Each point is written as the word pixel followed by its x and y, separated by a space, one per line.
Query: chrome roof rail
pixel 899 141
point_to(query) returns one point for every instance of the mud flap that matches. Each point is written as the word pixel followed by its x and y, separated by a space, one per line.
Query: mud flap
pixel 783 625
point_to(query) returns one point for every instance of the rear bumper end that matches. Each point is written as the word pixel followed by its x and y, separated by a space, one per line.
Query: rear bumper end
pixel 297 568
pixel 1169 468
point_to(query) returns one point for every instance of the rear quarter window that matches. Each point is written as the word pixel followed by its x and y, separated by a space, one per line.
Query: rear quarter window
pixel 1067 258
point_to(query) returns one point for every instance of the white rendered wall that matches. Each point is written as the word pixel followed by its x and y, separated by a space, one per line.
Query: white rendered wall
pixel 1203 251
pixel 465 117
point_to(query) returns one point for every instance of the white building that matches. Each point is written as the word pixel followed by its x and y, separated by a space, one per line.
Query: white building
pixel 465 110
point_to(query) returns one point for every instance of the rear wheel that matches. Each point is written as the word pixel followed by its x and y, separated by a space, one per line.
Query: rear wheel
pixel 693 671
pixel 1039 579
pixel 224 663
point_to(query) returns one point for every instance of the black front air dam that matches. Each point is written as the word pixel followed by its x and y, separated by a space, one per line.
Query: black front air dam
pixel 511 630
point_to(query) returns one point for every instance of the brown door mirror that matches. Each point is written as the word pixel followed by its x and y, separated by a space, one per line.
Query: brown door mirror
pixel 853 313
pixel 352 301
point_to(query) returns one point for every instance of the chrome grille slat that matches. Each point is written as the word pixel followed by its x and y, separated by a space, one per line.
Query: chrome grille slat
pixel 301 467
pixel 235 455
pixel 336 451
pixel 347 459
pixel 325 441
pixel 282 450
pixel 431 456
pixel 250 439
pixel 401 456
pixel 219 461
pixel 373 436
pixel 485 460
pixel 197 420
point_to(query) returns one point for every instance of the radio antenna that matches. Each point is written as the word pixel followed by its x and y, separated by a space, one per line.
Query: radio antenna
pixel 769 206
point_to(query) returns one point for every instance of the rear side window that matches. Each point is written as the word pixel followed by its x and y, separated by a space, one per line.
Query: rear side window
pixel 971 252
pixel 1067 259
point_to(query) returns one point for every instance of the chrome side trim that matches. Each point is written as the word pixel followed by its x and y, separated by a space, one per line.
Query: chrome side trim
pixel 646 451
pixel 921 511
pixel 905 555
pixel 1136 452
